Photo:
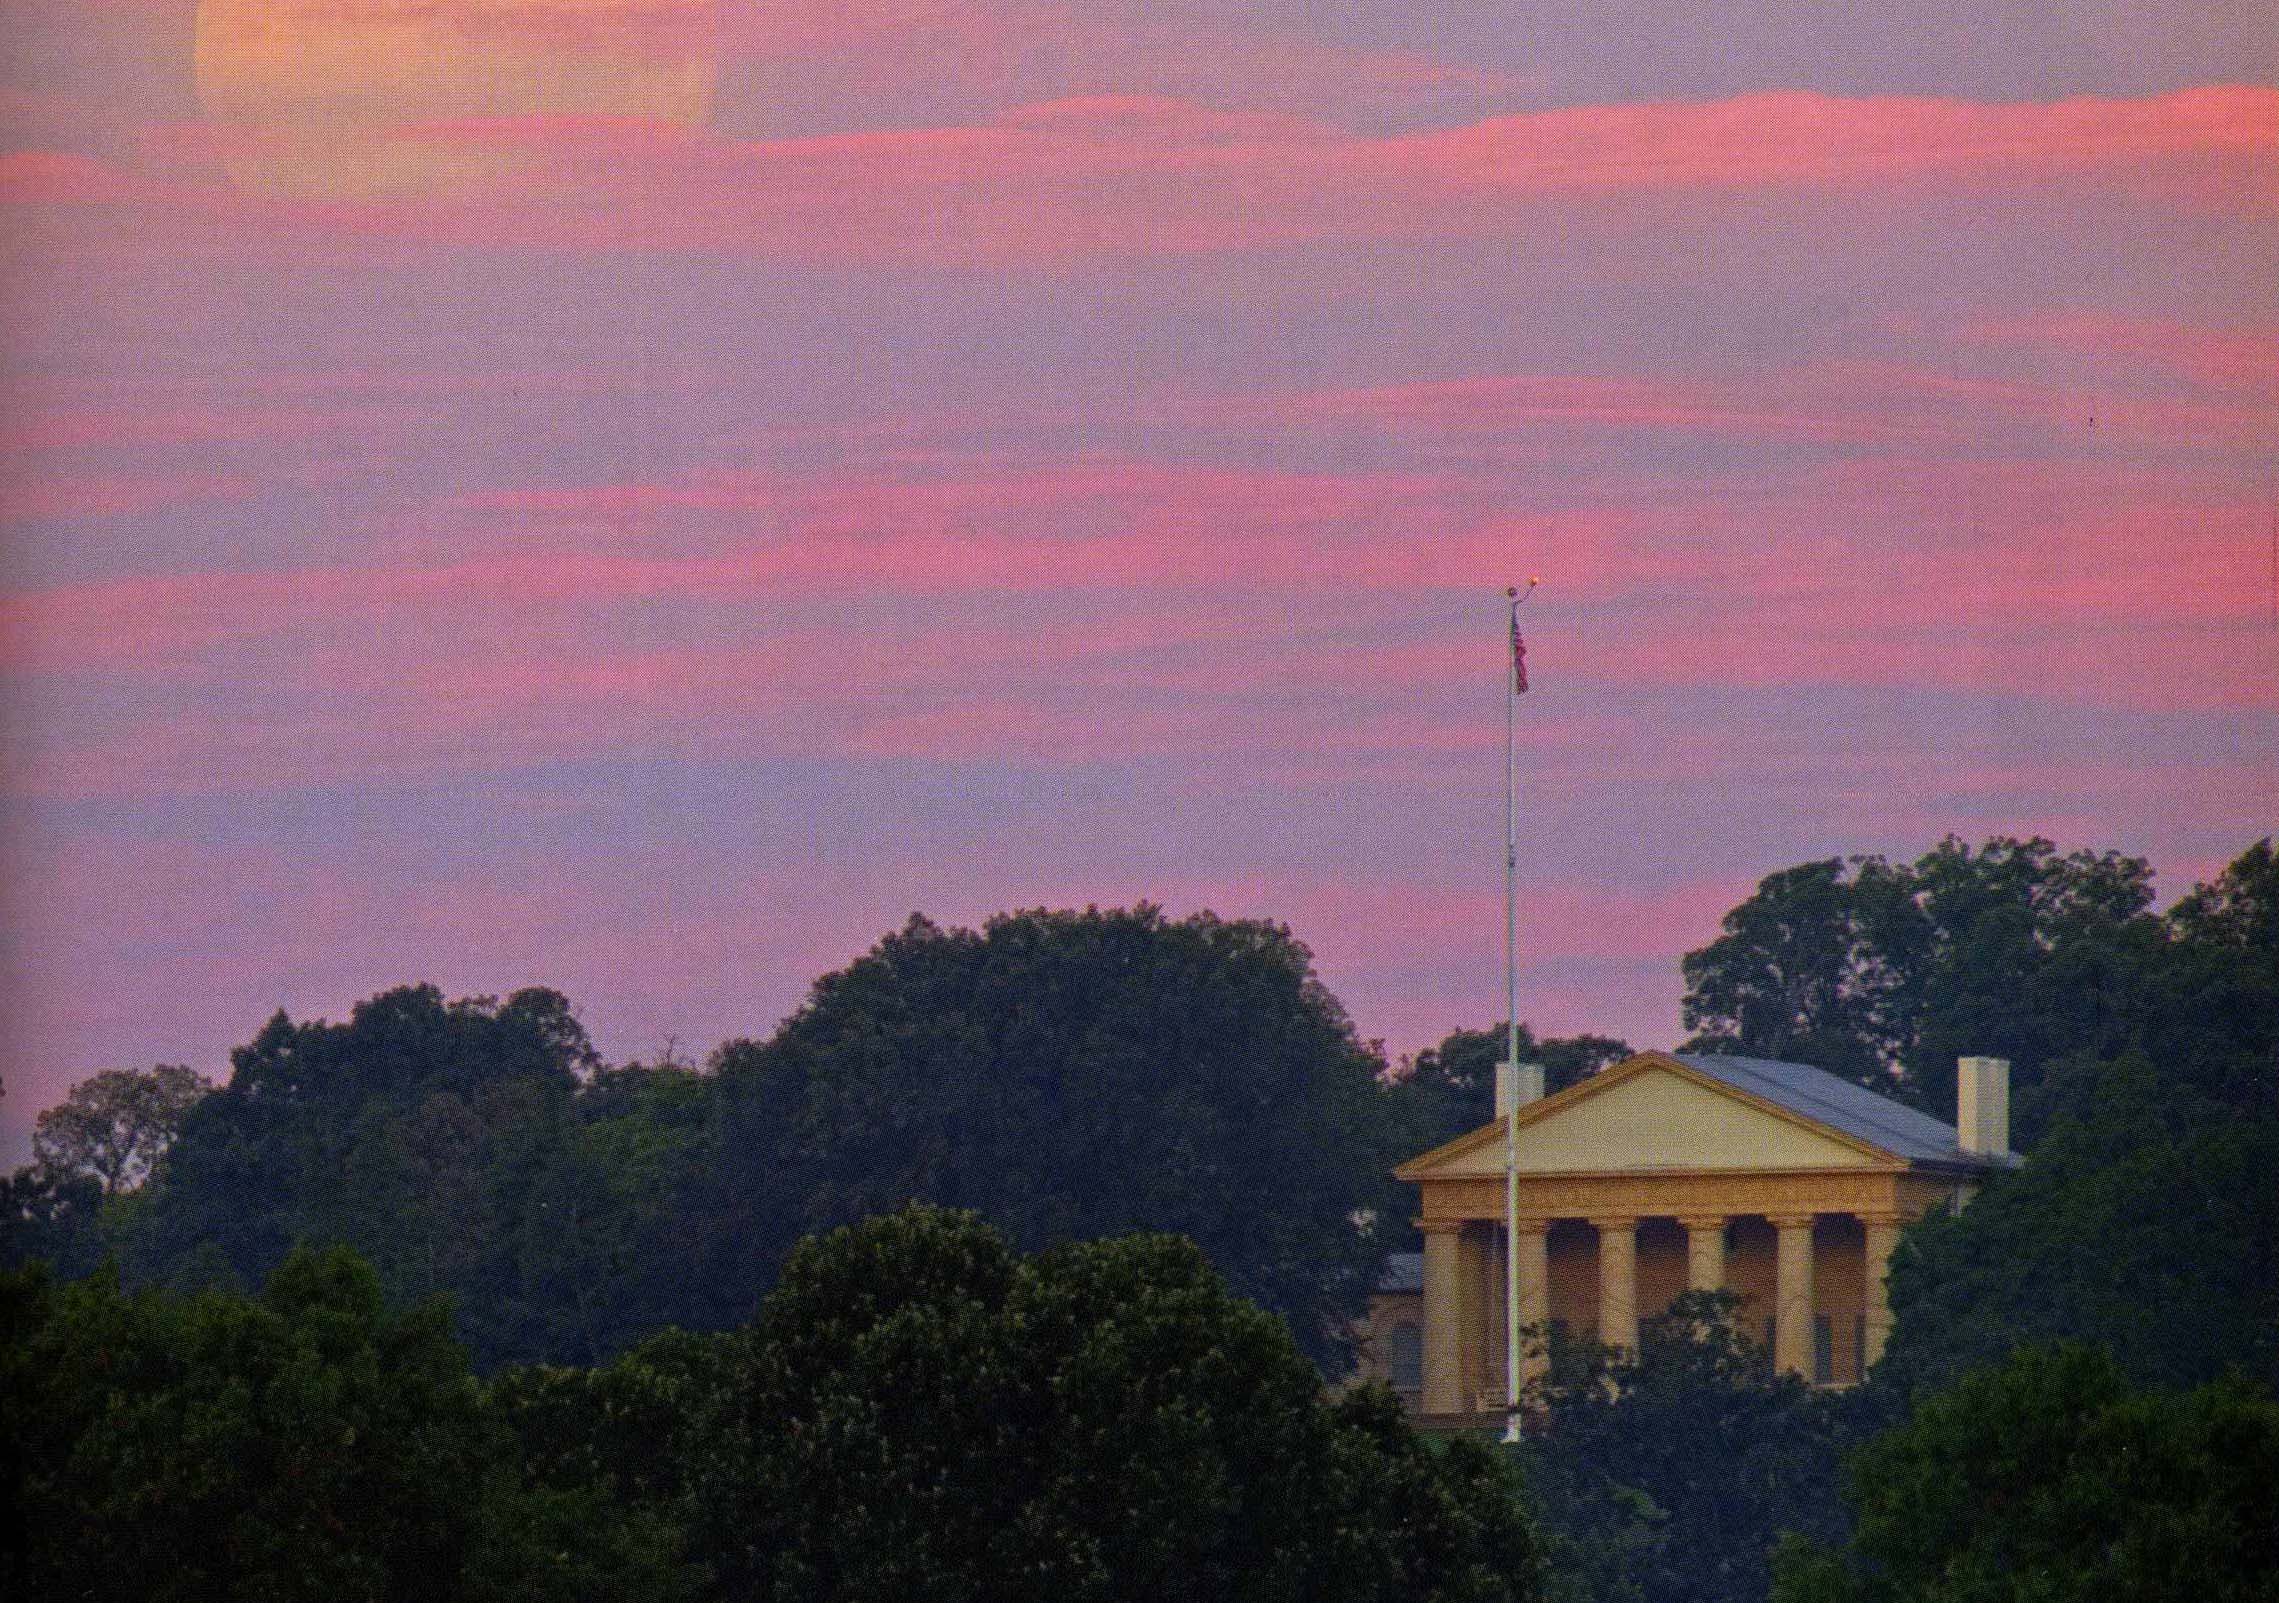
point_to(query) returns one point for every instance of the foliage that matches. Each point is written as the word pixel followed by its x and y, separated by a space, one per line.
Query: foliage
pixel 602 1209
pixel 473 1148
pixel 1814 967
pixel 664 1430
pixel 50 1219
pixel 1670 1474
pixel 2049 1479
pixel 920 1412
pixel 1886 973
pixel 115 1126
pixel 2218 997
pixel 307 1444
pixel 934 1415
pixel 2147 1221
pixel 1069 1076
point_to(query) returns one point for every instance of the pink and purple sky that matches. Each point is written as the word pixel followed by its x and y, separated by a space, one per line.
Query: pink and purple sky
pixel 641 495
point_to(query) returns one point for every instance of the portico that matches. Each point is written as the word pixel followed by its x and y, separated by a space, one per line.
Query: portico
pixel 1670 1172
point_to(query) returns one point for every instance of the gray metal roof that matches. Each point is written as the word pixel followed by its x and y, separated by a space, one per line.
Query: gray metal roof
pixel 1841 1105
pixel 1404 1271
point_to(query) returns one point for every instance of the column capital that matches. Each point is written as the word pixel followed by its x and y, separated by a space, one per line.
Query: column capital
pixel 1705 1221
pixel 1532 1225
pixel 1614 1221
pixel 1440 1227
pixel 1792 1221
pixel 1888 1221
pixel 1705 1252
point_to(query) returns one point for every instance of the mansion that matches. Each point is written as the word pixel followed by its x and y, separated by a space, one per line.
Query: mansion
pixel 1663 1173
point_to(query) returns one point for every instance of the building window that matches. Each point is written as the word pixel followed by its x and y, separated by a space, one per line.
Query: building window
pixel 1406 1349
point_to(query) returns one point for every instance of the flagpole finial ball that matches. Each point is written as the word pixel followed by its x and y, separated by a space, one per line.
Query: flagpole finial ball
pixel 1511 590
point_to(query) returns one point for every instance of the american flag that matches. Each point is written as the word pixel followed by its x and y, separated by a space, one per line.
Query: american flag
pixel 1518 661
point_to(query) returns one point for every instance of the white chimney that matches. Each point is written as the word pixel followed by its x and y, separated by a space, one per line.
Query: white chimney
pixel 1982 1104
pixel 1517 1084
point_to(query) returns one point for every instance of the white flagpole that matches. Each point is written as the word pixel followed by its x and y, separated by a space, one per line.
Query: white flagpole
pixel 1510 1067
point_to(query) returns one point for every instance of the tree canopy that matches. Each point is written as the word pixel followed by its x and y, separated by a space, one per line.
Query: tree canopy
pixel 1886 973
pixel 978 1387
pixel 2146 1221
pixel 1067 1074
pixel 421 1132
pixel 114 1126
pixel 1670 1472
pixel 929 1413
pixel 919 1411
pixel 308 1444
pixel 1072 1075
pixel 2047 1477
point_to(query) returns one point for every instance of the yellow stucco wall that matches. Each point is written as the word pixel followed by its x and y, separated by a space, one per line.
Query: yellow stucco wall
pixel 1658 1120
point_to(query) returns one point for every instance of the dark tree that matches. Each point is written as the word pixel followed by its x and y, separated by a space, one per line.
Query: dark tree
pixel 1819 966
pixel 50 1219
pixel 2217 1004
pixel 936 1416
pixel 1073 1075
pixel 2049 1478
pixel 2033 957
pixel 1671 1474
pixel 420 1133
pixel 2146 1222
pixel 305 1445
pixel 114 1127
pixel 664 1431
pixel 1887 973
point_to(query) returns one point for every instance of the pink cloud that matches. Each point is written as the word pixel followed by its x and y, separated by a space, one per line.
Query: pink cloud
pixel 1150 175
pixel 29 498
pixel 1005 52
pixel 2244 360
pixel 1799 137
pixel 50 177
pixel 2070 548
pixel 30 426
pixel 1854 403
pixel 1500 409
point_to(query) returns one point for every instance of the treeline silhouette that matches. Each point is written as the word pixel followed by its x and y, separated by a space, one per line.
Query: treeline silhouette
pixel 917 1412
pixel 1072 1076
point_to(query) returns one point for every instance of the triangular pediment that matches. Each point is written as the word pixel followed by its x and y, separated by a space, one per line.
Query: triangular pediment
pixel 1651 1112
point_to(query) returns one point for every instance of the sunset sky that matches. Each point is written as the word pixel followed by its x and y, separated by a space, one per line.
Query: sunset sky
pixel 639 496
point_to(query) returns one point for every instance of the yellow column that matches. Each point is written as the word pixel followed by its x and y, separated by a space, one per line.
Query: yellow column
pixel 1618 1281
pixel 1882 1237
pixel 1705 1252
pixel 1443 1344
pixel 1792 1295
pixel 1473 1264
pixel 1493 1362
pixel 1534 1292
